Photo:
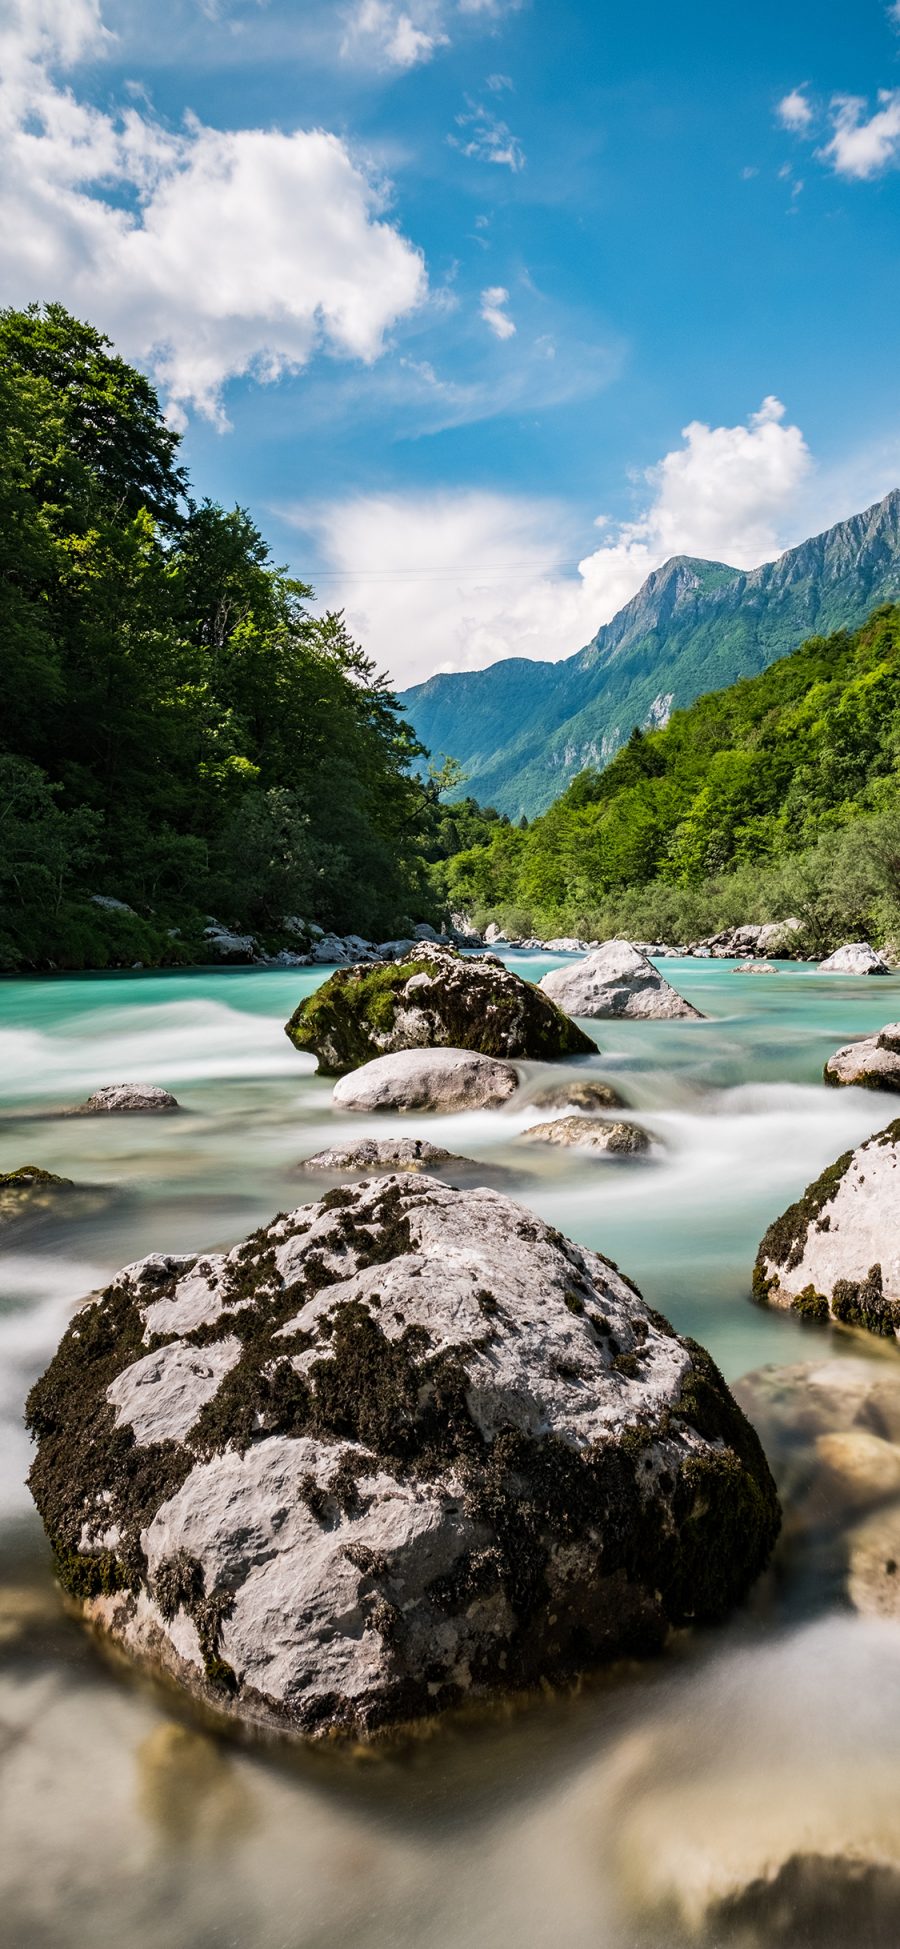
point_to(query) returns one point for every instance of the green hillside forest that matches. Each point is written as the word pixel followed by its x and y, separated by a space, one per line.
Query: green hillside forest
pixel 776 796
pixel 180 733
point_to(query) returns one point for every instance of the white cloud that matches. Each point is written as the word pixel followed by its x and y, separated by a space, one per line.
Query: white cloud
pixel 862 147
pixel 206 254
pixel 458 580
pixel 493 303
pixel 795 111
pixel 486 138
pixel 394 36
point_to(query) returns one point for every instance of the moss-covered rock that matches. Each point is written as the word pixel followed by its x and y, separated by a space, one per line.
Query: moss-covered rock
pixel 30 1192
pixel 433 999
pixel 403 1448
pixel 835 1253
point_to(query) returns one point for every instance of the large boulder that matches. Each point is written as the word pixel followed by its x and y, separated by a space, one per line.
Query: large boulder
pixel 856 958
pixel 434 998
pixel 428 1079
pixel 870 1064
pixel 836 1252
pixel 616 980
pixel 612 1139
pixel 403 1448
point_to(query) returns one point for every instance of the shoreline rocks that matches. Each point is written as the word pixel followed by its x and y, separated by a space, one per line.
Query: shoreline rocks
pixel 402 1449
pixel 428 1079
pixel 873 1063
pixel 617 981
pixel 856 958
pixel 835 1253
pixel 431 999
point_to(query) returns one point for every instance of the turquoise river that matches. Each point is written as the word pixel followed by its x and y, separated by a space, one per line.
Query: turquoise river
pixel 563 1821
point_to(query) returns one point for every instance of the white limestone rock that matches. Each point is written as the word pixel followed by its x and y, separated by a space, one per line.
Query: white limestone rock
pixel 836 1252
pixel 756 968
pixel 226 945
pixel 612 1139
pixel 856 958
pixel 873 1063
pixel 428 1079
pixel 616 980
pixel 117 1098
pixel 415 1448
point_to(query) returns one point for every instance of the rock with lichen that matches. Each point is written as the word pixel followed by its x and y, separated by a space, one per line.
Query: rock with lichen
pixel 610 1139
pixel 433 998
pixel 872 1063
pixel 835 1254
pixel 617 980
pixel 428 1079
pixel 382 1154
pixel 404 1448
pixel 127 1098
pixel 30 1191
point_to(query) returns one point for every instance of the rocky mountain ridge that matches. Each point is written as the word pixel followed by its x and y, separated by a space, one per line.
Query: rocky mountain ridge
pixel 523 729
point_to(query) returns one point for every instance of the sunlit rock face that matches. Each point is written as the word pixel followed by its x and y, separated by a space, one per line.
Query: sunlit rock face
pixel 835 1253
pixel 434 998
pixel 855 958
pixel 617 979
pixel 872 1063
pixel 403 1448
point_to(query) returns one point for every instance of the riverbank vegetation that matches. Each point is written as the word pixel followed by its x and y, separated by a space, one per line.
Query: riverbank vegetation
pixel 776 796
pixel 181 734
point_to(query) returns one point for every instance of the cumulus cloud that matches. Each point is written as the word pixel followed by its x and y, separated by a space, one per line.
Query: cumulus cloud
pixel 206 254
pixel 455 581
pixel 862 144
pixel 393 36
pixel 795 111
pixel 486 138
pixel 493 310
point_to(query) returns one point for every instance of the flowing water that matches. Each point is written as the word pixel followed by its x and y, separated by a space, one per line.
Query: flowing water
pixel 568 1819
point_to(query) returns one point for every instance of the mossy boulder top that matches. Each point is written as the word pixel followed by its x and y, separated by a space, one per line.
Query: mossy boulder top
pixel 836 1252
pixel 403 1448
pixel 432 999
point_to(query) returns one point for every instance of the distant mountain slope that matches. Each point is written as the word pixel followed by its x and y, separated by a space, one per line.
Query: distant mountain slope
pixel 523 730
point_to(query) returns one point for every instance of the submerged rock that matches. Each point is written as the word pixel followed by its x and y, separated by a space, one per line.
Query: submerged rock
pixel 617 980
pixel 589 1133
pixel 856 958
pixel 29 1191
pixel 403 1448
pixel 428 1079
pixel 836 1252
pixel 755 968
pixel 578 1094
pixel 871 1064
pixel 432 999
pixel 831 1432
pixel 116 1097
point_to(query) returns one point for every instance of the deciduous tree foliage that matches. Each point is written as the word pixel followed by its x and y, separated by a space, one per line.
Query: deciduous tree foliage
pixel 179 730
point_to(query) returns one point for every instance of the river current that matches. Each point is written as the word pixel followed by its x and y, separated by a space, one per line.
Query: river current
pixel 125 1820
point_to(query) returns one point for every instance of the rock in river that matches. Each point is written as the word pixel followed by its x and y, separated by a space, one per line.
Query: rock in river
pixel 577 1092
pixel 434 998
pixel 401 1449
pixel 381 1154
pixel 616 980
pixel 871 1064
pixel 836 1252
pixel 856 958
pixel 590 1133
pixel 114 1098
pixel 428 1079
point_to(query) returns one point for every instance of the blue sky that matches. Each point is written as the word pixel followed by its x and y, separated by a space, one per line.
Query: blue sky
pixel 436 287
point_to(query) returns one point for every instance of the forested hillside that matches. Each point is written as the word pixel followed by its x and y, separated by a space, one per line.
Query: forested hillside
pixel 179 732
pixel 523 730
pixel 778 795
